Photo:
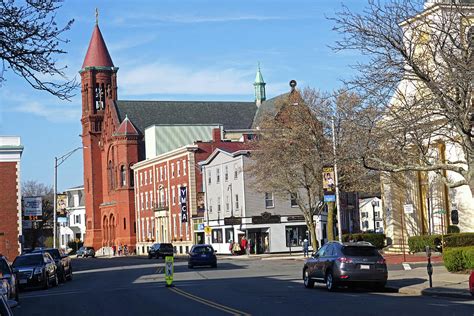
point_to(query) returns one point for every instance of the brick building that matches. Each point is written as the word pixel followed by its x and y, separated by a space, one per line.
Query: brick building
pixel 113 134
pixel 10 196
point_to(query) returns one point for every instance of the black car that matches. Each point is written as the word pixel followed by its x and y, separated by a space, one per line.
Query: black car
pixel 202 255
pixel 6 274
pixel 6 306
pixel 36 269
pixel 336 264
pixel 85 252
pixel 160 250
pixel 63 262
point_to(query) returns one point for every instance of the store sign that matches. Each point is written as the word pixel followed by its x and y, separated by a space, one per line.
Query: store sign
pixel 33 206
pixel 232 220
pixel 296 218
pixel 183 194
pixel 266 218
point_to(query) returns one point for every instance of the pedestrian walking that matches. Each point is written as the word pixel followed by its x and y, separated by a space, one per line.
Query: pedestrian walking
pixel 114 249
pixel 120 250
pixel 305 247
pixel 243 244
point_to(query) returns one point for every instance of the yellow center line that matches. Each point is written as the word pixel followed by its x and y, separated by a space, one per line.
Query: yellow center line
pixel 201 300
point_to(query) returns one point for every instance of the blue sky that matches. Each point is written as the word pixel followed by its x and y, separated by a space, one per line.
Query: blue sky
pixel 176 50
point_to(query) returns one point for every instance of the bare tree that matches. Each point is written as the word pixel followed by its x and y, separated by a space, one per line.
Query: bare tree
pixel 416 85
pixel 30 43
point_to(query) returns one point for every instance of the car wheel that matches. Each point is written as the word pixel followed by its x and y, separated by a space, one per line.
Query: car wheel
pixel 69 276
pixel 17 294
pixel 62 276
pixel 330 282
pixel 56 280
pixel 308 283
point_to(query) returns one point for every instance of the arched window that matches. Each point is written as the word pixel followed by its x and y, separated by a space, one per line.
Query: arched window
pixel 110 170
pixel 124 224
pixel 132 178
pixel 123 176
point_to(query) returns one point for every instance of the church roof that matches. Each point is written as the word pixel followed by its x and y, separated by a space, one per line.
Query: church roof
pixel 268 107
pixel 126 128
pixel 232 115
pixel 97 54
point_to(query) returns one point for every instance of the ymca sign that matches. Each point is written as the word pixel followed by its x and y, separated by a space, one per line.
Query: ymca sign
pixel 183 194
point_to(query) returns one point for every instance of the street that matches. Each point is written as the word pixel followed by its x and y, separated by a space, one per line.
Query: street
pixel 136 286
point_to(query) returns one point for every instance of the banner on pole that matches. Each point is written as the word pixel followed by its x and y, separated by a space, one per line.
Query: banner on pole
pixel 183 193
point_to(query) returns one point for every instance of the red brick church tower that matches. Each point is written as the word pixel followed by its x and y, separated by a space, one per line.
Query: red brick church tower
pixel 110 148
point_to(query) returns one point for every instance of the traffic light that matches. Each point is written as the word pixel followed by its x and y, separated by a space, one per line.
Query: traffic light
pixel 454 217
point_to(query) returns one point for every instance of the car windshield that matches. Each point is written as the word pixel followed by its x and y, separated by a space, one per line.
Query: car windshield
pixel 166 247
pixel 4 267
pixel 205 249
pixel 358 251
pixel 53 252
pixel 30 260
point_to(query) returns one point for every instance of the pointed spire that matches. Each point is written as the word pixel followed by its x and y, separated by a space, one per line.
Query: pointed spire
pixel 97 54
pixel 259 85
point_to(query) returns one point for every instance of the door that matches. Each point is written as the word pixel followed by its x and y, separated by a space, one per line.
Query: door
pixel 316 263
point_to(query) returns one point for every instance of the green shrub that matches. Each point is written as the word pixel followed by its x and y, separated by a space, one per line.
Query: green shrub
pixel 378 240
pixel 453 229
pixel 419 243
pixel 459 258
pixel 459 240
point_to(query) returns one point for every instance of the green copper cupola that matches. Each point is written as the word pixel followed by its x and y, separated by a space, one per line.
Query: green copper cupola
pixel 259 85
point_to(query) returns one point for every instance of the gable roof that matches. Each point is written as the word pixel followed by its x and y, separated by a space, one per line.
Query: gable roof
pixel 232 115
pixel 126 128
pixel 268 107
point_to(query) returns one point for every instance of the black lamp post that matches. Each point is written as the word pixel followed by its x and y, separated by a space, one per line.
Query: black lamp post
pixel 374 203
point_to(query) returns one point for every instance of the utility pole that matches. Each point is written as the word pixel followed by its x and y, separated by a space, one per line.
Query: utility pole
pixel 338 204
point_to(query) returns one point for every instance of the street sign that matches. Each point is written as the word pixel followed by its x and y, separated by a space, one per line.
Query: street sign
pixel 329 198
pixel 200 227
pixel 408 208
pixel 169 270
pixel 207 230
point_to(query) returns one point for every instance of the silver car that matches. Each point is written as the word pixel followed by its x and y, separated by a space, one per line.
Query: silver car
pixel 336 264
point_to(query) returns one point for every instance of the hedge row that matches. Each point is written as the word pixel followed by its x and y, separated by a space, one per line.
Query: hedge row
pixel 459 258
pixel 418 243
pixel 378 240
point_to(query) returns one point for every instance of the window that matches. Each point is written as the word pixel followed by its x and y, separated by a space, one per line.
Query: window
pixel 151 176
pixel 377 224
pixel 269 200
pixel 141 199
pixel 210 205
pixel 227 203
pixel 172 170
pixel 161 173
pixel 365 224
pixel 151 199
pixel 173 194
pixel 295 235
pixel 218 175
pixel 111 176
pixel 146 199
pixel 293 198
pixel 123 176
pixel 218 204
pixel 141 179
pixel 226 175
pixel 209 177
pixel 184 167
pixel 237 202
pixel 229 235
pixel 236 172
pixel 164 172
pixel 377 214
pixel 124 224
pixel 132 182
pixel 178 166
pixel 146 178
pixel 174 223
pixel 217 236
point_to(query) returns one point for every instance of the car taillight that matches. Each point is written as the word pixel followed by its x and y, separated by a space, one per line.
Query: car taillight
pixel 344 260
pixel 381 261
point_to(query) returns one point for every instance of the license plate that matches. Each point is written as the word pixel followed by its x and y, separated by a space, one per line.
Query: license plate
pixel 23 281
pixel 365 267
pixel 204 256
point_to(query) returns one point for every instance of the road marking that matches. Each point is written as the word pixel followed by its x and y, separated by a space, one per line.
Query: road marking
pixel 201 300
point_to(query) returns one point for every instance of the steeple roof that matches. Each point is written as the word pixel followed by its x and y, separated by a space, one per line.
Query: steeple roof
pixel 126 128
pixel 97 54
pixel 259 77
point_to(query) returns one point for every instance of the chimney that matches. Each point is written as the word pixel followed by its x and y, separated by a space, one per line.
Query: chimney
pixel 216 135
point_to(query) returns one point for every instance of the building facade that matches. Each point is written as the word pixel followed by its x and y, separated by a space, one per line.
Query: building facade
pixel 73 228
pixel 10 196
pixel 370 209
pixel 271 222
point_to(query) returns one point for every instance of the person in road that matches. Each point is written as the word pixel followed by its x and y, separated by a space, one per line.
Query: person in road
pixel 305 247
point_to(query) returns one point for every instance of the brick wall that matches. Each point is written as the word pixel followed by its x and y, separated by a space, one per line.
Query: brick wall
pixel 9 230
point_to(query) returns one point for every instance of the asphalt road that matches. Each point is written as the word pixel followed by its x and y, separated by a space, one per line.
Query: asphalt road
pixel 135 286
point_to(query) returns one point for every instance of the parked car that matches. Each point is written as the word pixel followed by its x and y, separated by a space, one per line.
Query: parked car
pixel 471 283
pixel 202 255
pixel 36 269
pixel 160 250
pixel 335 264
pixel 7 276
pixel 6 306
pixel 86 252
pixel 63 262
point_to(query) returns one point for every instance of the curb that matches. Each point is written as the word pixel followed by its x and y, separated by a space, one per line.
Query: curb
pixel 427 292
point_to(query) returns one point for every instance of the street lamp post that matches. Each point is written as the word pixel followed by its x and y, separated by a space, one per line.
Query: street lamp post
pixel 57 162
pixel 374 203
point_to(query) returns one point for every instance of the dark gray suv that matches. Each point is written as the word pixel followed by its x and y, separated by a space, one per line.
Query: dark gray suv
pixel 346 264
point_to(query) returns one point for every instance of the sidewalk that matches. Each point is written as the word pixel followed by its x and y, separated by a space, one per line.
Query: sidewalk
pixel 412 258
pixel 415 282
